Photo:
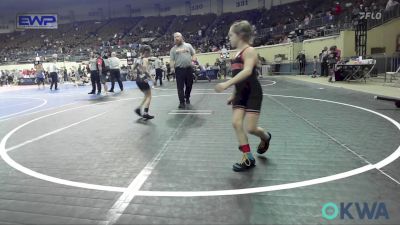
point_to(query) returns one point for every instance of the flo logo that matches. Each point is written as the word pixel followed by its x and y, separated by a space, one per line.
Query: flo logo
pixel 370 15
pixel 355 210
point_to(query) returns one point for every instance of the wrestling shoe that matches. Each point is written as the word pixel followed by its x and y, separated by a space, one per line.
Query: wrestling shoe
pixel 137 111
pixel 245 164
pixel 148 117
pixel 264 145
pixel 181 106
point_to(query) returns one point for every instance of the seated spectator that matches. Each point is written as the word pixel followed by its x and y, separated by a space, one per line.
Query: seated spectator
pixel 285 40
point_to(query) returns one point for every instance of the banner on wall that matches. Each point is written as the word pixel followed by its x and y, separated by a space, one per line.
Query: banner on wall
pixel 37 21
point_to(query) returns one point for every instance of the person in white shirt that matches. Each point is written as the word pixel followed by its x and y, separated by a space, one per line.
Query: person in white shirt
pixel 181 56
pixel 115 73
pixel 52 69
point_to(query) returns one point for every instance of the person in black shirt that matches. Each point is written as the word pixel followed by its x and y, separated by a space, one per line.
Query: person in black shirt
pixel 332 60
pixel 324 62
pixel 301 59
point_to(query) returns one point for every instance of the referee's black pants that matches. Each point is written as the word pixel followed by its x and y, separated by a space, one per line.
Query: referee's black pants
pixel 159 73
pixel 95 78
pixel 54 80
pixel 116 75
pixel 184 82
pixel 302 66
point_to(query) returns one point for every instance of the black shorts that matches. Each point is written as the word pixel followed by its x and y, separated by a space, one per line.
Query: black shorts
pixel 142 85
pixel 249 96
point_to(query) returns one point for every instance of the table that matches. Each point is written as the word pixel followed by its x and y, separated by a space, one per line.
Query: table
pixel 357 71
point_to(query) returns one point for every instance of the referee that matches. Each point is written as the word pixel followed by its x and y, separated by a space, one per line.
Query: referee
pixel 115 72
pixel 181 56
pixel 95 71
pixel 52 69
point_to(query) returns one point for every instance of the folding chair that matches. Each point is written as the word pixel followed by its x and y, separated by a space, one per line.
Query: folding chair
pixel 393 74
pixel 368 74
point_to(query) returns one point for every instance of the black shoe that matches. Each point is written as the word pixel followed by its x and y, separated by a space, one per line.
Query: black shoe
pixel 99 93
pixel 148 117
pixel 187 102
pixel 112 91
pixel 245 164
pixel 137 111
pixel 264 145
pixel 90 93
pixel 181 106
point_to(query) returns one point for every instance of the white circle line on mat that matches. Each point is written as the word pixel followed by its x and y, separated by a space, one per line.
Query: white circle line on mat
pixel 44 102
pixel 386 161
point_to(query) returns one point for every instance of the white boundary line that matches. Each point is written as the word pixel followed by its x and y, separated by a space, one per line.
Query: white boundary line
pixel 386 161
pixel 27 171
pixel 15 105
pixel 27 110
pixel 189 113
pixel 52 132
pixel 55 107
pixel 191 110
pixel 126 198
pixel 362 158
pixel 211 89
pixel 174 89
pixel 271 84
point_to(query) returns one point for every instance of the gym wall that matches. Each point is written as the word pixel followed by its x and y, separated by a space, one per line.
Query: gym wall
pixel 384 36
pixel 313 47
